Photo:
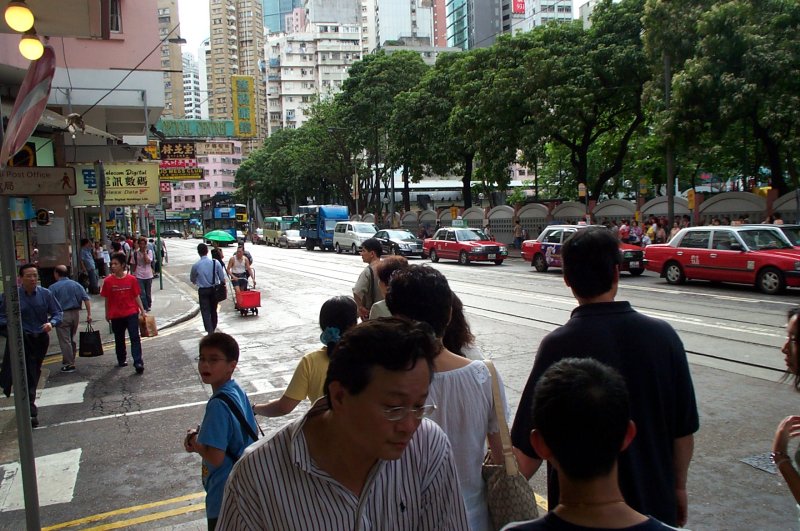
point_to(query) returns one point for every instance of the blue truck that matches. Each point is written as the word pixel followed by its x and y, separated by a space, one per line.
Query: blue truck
pixel 317 223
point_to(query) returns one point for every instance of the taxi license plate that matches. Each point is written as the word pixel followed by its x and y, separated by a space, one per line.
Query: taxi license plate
pixel 492 256
pixel 634 265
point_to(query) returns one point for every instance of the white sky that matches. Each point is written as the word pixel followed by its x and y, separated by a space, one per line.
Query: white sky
pixel 195 22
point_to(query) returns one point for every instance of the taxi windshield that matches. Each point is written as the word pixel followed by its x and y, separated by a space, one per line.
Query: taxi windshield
pixel 762 239
pixel 470 235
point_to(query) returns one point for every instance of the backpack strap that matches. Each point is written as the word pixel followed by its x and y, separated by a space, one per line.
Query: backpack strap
pixel 246 428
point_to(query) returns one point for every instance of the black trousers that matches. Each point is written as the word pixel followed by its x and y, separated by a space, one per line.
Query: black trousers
pixel 208 308
pixel 35 350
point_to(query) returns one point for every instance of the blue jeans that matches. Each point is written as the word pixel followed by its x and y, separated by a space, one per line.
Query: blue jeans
pixel 119 326
pixel 145 287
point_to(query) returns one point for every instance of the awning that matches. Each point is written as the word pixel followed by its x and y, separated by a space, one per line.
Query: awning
pixel 58 122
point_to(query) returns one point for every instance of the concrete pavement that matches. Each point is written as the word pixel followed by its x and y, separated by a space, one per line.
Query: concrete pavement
pixel 171 306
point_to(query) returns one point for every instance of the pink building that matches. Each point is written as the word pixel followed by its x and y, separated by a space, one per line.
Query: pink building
pixel 219 173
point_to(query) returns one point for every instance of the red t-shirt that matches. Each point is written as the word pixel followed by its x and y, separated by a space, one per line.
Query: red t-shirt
pixel 121 295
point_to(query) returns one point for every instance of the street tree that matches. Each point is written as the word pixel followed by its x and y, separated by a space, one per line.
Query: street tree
pixel 585 86
pixel 367 100
pixel 745 69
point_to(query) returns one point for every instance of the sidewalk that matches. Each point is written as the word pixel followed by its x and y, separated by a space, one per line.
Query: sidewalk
pixel 171 306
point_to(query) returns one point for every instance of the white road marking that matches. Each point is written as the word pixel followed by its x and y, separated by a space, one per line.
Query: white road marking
pixel 63 394
pixel 56 475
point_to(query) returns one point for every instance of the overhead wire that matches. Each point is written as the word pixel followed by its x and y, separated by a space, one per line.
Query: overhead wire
pixel 134 69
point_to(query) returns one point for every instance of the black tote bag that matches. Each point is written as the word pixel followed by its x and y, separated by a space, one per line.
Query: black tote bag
pixel 90 344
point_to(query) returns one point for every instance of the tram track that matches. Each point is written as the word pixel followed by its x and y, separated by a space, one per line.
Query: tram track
pixel 727 325
pixel 703 325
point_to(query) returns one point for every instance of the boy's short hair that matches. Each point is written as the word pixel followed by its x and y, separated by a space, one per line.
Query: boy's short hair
pixel 374 245
pixel 590 260
pixel 222 342
pixel 393 343
pixel 582 411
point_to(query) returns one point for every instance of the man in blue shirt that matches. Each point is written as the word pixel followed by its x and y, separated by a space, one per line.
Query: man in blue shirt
pixel 40 313
pixel 205 274
pixel 87 265
pixel 70 296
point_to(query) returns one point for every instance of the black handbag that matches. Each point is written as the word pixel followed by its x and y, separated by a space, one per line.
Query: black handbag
pixel 90 344
pixel 220 290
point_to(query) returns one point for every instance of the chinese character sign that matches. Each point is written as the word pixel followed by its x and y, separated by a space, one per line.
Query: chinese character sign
pixel 177 150
pixel 244 112
pixel 213 148
pixel 518 7
pixel 179 169
pixel 132 183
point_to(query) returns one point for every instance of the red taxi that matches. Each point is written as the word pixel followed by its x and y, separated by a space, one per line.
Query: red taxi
pixel 742 255
pixel 545 251
pixel 464 245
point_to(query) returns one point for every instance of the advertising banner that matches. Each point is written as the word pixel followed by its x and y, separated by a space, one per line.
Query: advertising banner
pixel 518 7
pixel 195 128
pixel 244 107
pixel 179 170
pixel 213 148
pixel 177 150
pixel 130 183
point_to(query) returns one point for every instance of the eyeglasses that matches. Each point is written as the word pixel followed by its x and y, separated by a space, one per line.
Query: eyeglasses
pixel 396 414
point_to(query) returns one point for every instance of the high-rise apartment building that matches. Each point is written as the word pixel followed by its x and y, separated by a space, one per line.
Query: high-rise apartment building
pixel 219 174
pixel 236 48
pixel 439 12
pixel 275 13
pixel 540 12
pixel 171 61
pixel 403 19
pixel 473 23
pixel 306 66
pixel 192 93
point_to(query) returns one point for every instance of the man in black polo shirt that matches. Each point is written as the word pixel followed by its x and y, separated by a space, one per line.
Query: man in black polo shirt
pixel 649 355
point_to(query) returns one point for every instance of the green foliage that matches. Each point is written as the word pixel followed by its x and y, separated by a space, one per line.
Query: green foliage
pixel 575 105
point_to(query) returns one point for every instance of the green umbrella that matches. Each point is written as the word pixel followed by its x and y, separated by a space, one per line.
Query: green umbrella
pixel 219 236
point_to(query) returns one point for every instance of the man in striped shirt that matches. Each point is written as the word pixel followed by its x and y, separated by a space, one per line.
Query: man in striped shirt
pixel 363 457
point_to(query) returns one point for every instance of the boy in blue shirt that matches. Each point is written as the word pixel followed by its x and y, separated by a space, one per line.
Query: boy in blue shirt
pixel 228 425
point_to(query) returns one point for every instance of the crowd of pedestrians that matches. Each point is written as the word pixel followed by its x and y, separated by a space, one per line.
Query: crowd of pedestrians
pixel 402 412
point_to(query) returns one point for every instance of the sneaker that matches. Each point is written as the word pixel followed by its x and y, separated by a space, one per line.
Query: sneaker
pixel 34 422
pixel 68 368
pixel 139 368
pixel 123 364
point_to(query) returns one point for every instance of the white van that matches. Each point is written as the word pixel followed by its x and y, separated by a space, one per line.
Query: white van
pixel 351 234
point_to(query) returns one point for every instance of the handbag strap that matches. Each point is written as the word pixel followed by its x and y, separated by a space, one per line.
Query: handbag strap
pixel 246 428
pixel 89 327
pixel 510 462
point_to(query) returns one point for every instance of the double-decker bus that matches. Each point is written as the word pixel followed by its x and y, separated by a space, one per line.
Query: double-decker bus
pixel 274 226
pixel 220 212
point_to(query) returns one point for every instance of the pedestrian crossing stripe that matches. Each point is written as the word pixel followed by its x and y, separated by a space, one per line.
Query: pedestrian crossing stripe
pixel 56 475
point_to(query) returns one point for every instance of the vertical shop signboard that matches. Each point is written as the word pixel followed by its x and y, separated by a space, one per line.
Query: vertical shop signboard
pixel 244 108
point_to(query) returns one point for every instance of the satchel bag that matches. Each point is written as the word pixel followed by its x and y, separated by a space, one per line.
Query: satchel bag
pixel 147 326
pixel 509 495
pixel 90 344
